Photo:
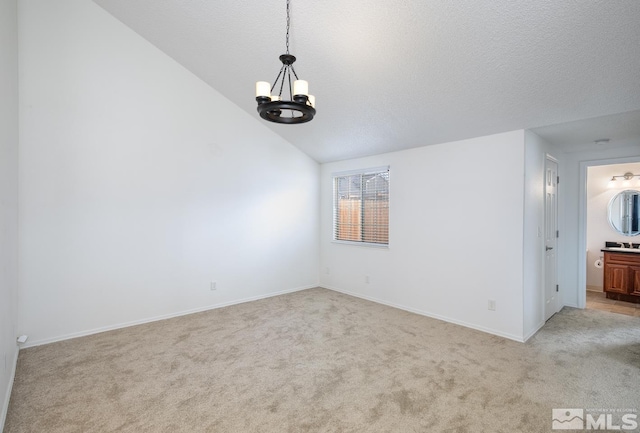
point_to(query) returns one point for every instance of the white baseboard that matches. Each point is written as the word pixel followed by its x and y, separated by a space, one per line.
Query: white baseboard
pixel 7 397
pixel 161 317
pixel 594 289
pixel 427 314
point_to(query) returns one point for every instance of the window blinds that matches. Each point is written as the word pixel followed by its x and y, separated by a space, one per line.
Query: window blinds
pixel 361 206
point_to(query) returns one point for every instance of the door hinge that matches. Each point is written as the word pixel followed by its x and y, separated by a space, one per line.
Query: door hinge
pixel 557 288
pixel 557 233
pixel 557 179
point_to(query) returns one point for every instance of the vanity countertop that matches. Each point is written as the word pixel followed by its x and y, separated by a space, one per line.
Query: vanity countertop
pixel 621 250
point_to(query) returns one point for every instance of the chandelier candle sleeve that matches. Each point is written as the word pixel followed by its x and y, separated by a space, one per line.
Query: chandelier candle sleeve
pixel 300 87
pixel 263 89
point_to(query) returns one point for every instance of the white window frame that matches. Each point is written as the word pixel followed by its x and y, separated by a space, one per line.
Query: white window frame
pixel 366 171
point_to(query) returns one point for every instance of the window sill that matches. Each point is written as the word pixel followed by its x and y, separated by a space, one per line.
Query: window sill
pixel 362 244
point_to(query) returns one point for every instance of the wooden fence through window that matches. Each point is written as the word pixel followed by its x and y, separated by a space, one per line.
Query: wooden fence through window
pixel 376 220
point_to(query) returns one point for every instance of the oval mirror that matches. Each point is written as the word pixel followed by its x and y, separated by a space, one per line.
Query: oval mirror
pixel 624 212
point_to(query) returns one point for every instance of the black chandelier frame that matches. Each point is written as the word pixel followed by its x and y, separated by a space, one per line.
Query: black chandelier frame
pixel 272 110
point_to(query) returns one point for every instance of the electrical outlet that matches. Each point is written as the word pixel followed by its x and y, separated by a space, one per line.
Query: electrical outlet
pixel 492 305
pixel 214 285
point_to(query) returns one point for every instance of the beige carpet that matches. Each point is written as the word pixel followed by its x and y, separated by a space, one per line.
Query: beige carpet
pixel 320 361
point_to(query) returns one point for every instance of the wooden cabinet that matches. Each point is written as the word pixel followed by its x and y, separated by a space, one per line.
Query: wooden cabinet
pixel 635 279
pixel 622 276
pixel 616 278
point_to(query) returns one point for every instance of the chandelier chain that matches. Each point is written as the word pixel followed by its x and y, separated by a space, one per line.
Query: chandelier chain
pixel 288 24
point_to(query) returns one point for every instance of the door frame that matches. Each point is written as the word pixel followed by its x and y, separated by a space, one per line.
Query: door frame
pixel 582 221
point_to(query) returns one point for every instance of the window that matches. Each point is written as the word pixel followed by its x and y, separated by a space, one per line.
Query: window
pixel 361 206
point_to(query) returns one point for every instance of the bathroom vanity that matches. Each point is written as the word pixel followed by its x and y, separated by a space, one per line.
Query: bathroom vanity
pixel 622 259
pixel 622 274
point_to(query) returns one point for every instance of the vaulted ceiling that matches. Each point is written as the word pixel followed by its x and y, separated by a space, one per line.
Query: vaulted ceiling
pixel 395 74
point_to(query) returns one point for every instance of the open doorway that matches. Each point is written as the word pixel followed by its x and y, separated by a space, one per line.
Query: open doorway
pixel 600 190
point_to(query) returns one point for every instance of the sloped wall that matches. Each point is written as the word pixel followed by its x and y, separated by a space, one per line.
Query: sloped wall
pixel 141 185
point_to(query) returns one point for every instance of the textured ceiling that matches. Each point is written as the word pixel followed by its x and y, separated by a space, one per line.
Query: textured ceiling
pixel 620 129
pixel 396 74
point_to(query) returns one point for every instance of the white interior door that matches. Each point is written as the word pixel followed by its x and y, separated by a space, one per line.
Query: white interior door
pixel 551 295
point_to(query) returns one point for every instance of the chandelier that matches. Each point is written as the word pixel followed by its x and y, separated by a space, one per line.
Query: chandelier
pixel 289 104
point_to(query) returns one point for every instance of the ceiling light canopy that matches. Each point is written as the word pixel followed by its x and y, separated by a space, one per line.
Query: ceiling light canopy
pixel 289 104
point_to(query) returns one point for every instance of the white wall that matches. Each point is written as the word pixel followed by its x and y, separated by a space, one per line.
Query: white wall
pixel 573 208
pixel 8 198
pixel 456 234
pixel 140 184
pixel 536 149
pixel 600 191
